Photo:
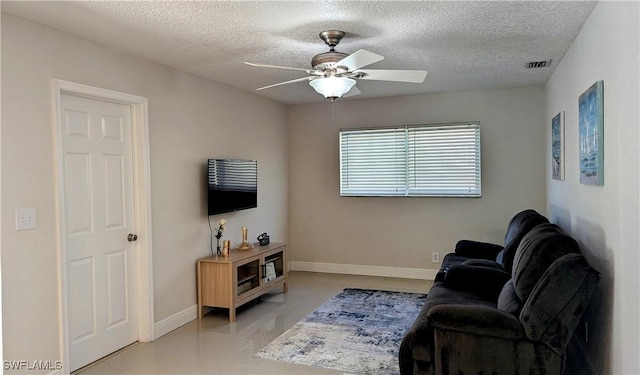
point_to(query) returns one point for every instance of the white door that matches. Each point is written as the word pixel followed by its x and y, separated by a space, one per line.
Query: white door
pixel 99 216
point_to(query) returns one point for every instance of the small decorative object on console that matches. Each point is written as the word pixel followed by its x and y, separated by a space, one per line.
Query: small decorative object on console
pixel 270 272
pixel 245 245
pixel 221 226
pixel 226 248
pixel 263 239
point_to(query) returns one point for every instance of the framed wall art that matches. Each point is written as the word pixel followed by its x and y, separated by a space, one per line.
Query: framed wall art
pixel 591 134
pixel 557 146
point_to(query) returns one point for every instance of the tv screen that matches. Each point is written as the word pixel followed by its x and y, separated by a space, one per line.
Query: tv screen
pixel 232 185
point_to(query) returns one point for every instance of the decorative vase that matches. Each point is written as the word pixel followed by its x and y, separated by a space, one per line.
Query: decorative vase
pixel 245 245
pixel 226 248
pixel 218 251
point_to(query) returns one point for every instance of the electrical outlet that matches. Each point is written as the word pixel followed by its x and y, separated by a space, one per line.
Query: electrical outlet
pixel 25 218
pixel 435 257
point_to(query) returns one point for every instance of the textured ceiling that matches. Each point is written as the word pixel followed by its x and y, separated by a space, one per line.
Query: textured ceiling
pixel 464 45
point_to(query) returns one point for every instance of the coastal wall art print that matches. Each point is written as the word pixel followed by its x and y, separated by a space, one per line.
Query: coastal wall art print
pixel 591 134
pixel 557 146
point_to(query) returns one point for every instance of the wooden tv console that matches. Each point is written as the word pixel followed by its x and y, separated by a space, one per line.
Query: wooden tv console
pixel 230 282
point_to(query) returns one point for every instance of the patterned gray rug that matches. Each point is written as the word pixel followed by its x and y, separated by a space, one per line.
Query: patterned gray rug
pixel 357 331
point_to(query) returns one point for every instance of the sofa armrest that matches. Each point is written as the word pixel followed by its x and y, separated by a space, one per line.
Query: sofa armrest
pixel 475 249
pixel 476 320
pixel 483 263
pixel 555 307
pixel 486 281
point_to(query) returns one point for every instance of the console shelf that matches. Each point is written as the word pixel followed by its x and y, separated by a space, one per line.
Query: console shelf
pixel 241 277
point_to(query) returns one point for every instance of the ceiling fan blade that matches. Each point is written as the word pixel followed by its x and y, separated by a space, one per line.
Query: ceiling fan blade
pixel 279 67
pixel 353 92
pixel 359 59
pixel 285 83
pixel 413 76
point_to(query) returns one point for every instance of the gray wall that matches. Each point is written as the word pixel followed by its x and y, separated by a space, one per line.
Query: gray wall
pixel 402 232
pixel 190 120
pixel 604 219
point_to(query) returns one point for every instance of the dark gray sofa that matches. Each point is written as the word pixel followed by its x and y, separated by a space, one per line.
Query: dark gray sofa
pixel 519 327
pixel 497 256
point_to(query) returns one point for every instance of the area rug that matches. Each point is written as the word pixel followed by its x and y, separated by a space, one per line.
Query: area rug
pixel 357 331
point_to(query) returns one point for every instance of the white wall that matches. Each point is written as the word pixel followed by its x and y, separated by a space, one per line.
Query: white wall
pixel 190 120
pixel 604 219
pixel 402 232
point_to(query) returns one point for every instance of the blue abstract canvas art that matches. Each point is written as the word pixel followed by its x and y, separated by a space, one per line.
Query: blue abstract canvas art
pixel 557 146
pixel 591 134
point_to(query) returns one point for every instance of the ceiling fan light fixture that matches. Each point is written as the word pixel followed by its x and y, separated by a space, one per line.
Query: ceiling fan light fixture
pixel 332 87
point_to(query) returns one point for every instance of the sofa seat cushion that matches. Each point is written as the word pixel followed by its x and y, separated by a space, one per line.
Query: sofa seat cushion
pixel 419 338
pixel 483 280
pixel 476 320
pixel 440 294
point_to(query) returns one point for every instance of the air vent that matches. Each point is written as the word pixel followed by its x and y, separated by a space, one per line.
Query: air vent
pixel 538 64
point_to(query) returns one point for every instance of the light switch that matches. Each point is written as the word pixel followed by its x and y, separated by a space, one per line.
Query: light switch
pixel 25 218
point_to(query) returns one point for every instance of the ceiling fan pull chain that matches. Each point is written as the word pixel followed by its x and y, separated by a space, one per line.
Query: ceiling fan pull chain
pixel 332 109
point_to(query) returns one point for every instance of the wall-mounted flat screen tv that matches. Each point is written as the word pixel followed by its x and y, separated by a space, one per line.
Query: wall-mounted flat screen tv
pixel 232 185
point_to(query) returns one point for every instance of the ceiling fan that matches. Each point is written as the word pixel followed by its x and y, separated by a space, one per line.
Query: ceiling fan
pixel 334 74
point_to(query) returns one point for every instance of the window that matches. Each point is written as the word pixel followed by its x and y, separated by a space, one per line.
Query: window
pixel 417 160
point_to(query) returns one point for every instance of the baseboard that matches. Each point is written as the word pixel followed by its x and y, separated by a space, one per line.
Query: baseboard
pixel 355 269
pixel 175 321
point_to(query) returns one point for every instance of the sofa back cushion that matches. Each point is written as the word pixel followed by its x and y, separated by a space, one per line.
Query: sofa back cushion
pixel 508 300
pixel 537 251
pixel 558 301
pixel 517 228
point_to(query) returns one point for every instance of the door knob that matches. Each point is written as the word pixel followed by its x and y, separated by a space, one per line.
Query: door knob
pixel 132 237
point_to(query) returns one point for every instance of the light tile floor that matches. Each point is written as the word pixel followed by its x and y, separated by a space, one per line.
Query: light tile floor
pixel 212 345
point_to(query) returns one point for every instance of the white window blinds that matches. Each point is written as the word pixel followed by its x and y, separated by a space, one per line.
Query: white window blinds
pixel 423 160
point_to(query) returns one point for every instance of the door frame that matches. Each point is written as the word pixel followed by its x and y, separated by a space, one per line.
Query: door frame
pixel 142 206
